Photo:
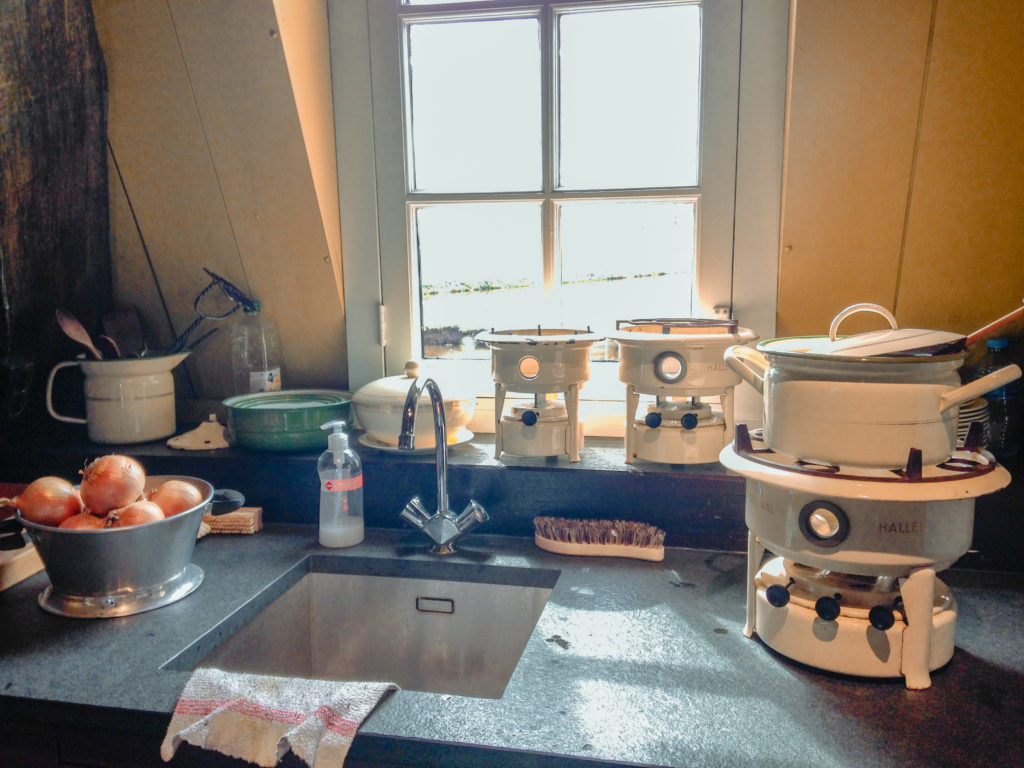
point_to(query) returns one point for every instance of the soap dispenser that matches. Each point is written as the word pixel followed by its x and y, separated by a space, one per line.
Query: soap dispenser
pixel 341 490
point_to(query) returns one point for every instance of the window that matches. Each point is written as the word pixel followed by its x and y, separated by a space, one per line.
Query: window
pixel 564 164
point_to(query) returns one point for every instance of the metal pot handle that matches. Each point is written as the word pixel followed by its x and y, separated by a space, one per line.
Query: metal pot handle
pixel 853 309
pixel 979 387
pixel 749 364
pixel 49 394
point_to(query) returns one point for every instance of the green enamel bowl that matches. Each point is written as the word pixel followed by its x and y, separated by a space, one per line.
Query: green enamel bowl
pixel 288 420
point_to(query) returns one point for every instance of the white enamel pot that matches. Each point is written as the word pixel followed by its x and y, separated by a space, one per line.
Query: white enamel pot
pixel 858 411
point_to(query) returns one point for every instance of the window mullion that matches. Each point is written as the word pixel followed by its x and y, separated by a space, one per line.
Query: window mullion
pixel 548 131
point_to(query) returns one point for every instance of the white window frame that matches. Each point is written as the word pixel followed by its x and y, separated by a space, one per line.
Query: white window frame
pixel 744 62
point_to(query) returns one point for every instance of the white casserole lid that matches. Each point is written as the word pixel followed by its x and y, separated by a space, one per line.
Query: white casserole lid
pixel 392 391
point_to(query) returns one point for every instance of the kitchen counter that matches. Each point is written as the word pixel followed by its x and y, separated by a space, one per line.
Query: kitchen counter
pixel 631 662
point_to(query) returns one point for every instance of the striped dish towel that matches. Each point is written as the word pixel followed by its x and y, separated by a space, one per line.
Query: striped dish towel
pixel 260 717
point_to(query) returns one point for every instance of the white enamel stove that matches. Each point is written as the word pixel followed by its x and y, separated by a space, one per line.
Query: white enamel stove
pixel 852 585
pixel 679 362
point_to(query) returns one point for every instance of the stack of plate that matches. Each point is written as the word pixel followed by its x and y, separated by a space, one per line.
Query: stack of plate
pixel 970 412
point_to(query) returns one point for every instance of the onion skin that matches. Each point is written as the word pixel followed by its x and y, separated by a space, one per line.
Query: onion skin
pixel 84 520
pixel 176 496
pixel 111 482
pixel 136 513
pixel 48 501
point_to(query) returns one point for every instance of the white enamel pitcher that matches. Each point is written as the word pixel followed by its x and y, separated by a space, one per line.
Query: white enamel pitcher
pixel 126 401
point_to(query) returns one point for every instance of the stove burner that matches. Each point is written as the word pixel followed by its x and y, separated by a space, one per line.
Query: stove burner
pixel 960 466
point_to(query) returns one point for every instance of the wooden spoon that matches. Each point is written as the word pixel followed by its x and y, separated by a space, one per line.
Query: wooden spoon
pixel 76 331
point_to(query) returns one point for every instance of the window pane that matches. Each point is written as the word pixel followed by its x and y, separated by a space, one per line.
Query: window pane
pixel 626 259
pixel 474 112
pixel 628 97
pixel 480 268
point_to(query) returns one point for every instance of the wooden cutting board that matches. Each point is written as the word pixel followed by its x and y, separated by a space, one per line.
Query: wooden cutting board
pixel 16 565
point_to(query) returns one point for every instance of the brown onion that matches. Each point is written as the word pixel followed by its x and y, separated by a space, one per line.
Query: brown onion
pixel 136 513
pixel 176 496
pixel 112 482
pixel 47 501
pixel 84 520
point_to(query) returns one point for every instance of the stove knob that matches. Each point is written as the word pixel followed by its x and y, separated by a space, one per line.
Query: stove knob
pixel 881 617
pixel 529 418
pixel 653 419
pixel 778 595
pixel 689 421
pixel 827 608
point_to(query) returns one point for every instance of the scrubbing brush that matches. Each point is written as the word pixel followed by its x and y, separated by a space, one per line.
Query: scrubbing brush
pixel 599 538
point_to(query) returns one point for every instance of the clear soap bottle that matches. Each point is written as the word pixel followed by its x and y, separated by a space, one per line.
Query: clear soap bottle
pixel 341 490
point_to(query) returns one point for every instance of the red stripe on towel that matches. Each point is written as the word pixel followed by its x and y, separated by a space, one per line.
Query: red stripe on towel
pixel 204 707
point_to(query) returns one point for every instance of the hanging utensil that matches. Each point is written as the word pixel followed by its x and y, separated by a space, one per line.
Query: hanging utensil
pixel 238 301
pixel 76 331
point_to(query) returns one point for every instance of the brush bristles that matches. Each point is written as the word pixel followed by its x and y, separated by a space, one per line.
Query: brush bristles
pixel 622 532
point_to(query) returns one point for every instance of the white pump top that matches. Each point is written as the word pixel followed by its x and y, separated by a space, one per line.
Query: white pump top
pixel 337 440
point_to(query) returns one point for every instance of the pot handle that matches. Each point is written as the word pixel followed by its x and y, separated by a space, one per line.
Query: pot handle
pixel 49 394
pixel 853 309
pixel 979 387
pixel 749 364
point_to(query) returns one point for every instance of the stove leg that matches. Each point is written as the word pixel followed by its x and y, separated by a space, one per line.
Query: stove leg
pixel 499 404
pixel 918 593
pixel 755 552
pixel 572 405
pixel 632 401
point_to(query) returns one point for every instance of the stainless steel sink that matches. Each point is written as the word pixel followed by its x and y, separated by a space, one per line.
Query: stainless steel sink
pixel 426 625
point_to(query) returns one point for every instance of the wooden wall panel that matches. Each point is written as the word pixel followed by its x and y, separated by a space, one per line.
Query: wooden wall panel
pixel 964 259
pixel 157 140
pixel 54 248
pixel 240 79
pixel 856 77
pixel 206 135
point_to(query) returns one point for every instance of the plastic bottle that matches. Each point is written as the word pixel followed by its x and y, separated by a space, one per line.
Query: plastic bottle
pixel 255 353
pixel 341 490
pixel 1005 405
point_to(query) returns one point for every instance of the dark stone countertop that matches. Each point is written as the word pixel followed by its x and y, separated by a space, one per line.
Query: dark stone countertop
pixel 630 662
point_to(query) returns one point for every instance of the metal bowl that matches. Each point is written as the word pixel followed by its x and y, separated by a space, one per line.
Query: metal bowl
pixel 120 571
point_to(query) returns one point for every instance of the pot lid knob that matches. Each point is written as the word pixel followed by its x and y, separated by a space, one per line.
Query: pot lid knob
pixel 412 369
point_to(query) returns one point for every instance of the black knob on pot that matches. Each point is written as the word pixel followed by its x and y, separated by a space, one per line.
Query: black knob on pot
pixel 777 595
pixel 881 617
pixel 689 421
pixel 827 608
pixel 530 418
pixel 653 419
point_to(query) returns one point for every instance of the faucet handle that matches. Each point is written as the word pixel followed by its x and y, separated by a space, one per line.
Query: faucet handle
pixel 471 517
pixel 415 513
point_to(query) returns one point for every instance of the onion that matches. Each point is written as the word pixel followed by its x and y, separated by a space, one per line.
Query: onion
pixel 47 501
pixel 84 520
pixel 136 513
pixel 112 482
pixel 176 496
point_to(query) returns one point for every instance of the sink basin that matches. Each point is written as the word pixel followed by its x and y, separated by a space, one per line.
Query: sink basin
pixel 426 625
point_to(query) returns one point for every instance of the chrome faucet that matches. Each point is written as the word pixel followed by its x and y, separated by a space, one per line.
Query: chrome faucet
pixel 442 527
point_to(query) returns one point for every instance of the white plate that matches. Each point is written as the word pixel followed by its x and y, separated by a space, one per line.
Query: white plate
pixel 460 437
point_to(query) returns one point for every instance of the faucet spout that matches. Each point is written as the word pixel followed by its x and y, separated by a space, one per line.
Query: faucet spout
pixel 407 437
pixel 442 527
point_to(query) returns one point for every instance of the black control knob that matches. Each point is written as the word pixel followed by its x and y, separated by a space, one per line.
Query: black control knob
pixel 827 608
pixel 529 418
pixel 689 421
pixel 881 617
pixel 778 595
pixel 653 419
